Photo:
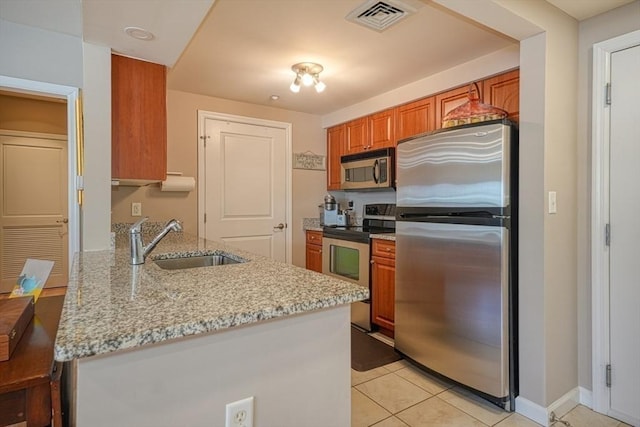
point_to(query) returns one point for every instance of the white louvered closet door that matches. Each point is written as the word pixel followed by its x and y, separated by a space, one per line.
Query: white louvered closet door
pixel 33 205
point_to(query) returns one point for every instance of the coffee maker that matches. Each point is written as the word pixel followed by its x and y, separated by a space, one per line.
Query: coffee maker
pixel 330 213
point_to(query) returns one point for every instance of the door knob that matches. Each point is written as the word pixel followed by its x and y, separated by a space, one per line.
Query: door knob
pixel 63 221
pixel 280 226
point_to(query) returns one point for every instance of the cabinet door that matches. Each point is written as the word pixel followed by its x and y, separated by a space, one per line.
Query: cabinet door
pixel 139 119
pixel 313 258
pixel 357 135
pixel 503 91
pixel 383 280
pixel 415 118
pixel 447 101
pixel 381 130
pixel 335 149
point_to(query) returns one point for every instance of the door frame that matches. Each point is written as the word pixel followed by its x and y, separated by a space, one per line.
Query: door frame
pixel 600 129
pixel 74 180
pixel 202 117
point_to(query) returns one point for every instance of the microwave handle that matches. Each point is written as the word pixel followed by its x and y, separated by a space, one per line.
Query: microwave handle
pixel 376 167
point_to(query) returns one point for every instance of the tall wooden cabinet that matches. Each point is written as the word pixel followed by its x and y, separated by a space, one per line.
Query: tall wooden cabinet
pixel 138 120
pixel 383 284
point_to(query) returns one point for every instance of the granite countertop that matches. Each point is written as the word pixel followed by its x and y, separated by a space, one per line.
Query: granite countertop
pixel 111 305
pixel 384 236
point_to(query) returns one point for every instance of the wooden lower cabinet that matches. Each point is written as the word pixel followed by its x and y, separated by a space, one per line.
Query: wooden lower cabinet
pixel 313 257
pixel 383 284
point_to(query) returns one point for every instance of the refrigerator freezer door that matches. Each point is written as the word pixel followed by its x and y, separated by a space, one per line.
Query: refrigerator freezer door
pixel 452 300
pixel 467 167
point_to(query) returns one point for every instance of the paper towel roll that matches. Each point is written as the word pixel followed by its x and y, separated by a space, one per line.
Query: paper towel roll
pixel 178 183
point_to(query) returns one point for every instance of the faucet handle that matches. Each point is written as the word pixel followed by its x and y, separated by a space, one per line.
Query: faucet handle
pixel 135 228
pixel 175 225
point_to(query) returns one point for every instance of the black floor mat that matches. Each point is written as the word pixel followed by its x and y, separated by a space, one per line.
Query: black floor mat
pixel 369 353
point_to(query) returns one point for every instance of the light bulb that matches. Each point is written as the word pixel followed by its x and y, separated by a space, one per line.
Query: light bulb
pixel 295 86
pixel 320 86
pixel 307 79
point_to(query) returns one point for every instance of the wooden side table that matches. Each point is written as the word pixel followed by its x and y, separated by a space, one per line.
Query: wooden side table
pixel 30 378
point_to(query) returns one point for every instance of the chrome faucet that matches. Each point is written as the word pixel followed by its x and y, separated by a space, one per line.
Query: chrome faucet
pixel 139 252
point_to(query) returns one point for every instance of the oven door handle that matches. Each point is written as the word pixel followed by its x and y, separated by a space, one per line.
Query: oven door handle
pixel 376 167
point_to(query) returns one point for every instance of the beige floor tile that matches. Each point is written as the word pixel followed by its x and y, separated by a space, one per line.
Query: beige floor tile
pixel 364 411
pixel 393 392
pixel 581 416
pixel 436 412
pixel 517 420
pixel 423 380
pixel 390 422
pixel 358 377
pixel 474 405
pixel 397 365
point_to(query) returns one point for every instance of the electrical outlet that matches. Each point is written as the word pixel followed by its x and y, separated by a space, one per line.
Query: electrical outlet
pixel 240 413
pixel 136 209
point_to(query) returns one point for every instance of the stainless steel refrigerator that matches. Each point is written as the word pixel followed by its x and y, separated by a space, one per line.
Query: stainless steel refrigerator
pixel 456 256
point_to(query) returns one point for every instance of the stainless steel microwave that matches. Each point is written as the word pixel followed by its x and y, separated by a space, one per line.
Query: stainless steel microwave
pixel 369 170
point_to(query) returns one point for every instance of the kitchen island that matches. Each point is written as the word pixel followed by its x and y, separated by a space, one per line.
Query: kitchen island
pixel 147 346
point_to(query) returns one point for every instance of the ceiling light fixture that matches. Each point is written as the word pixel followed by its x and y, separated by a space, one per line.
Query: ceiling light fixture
pixel 307 73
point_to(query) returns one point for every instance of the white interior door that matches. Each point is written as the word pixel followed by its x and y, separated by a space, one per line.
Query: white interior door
pixel 245 186
pixel 33 206
pixel 624 258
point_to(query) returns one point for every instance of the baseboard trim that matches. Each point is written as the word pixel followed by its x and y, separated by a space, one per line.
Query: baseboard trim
pixel 586 397
pixel 540 414
pixel 531 410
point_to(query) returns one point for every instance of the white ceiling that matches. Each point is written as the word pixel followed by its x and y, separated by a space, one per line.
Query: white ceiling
pixel 584 9
pixel 243 49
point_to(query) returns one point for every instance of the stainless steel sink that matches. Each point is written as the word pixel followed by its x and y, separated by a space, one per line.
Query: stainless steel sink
pixel 195 261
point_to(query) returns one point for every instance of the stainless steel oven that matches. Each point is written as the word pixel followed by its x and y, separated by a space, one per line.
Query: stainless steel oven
pixel 346 250
pixel 349 260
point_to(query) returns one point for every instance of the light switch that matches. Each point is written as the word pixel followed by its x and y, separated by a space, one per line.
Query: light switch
pixel 553 205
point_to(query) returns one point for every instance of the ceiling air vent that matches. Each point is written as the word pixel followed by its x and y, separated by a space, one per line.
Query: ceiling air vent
pixel 380 15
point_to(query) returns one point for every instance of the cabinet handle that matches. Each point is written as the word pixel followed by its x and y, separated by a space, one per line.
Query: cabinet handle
pixel 388 249
pixel 320 251
pixel 372 262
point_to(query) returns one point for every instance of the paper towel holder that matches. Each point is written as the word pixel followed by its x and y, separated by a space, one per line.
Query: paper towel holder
pixel 176 182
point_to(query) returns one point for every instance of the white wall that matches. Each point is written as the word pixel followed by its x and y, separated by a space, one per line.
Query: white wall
pixel 599 28
pixel 97 147
pixel 40 55
pixel 45 56
pixel 297 368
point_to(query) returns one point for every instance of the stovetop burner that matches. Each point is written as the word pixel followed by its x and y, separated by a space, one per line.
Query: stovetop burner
pixel 379 218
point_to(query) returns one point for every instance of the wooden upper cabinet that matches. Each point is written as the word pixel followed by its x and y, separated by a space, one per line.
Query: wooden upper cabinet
pixel 503 91
pixel 335 149
pixel 447 101
pixel 138 120
pixel 357 135
pixel 415 118
pixel 382 130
